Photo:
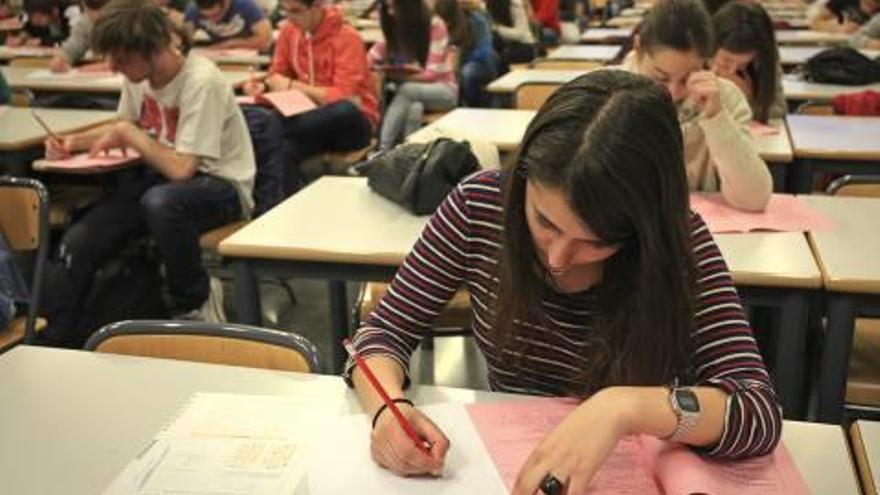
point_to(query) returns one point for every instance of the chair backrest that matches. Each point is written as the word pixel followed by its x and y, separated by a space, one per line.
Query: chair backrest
pixel 217 343
pixel 532 96
pixel 24 222
pixel 865 186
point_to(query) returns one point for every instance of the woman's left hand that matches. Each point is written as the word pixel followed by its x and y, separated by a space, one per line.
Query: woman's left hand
pixel 577 448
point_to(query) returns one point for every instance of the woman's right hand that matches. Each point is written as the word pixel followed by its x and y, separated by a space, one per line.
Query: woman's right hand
pixel 394 450
pixel 254 88
pixel 58 148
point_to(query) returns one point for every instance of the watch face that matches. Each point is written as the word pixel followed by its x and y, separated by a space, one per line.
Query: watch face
pixel 687 400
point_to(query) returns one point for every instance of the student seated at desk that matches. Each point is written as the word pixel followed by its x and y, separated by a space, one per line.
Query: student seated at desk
pixel 841 16
pixel 478 64
pixel 746 55
pixel 180 114
pixel 320 55
pixel 868 36
pixel 512 30
pixel 589 277
pixel 47 23
pixel 78 43
pixel 673 48
pixel 231 23
pixel 416 56
pixel 547 17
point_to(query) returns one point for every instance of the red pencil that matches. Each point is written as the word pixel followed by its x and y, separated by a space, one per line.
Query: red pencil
pixel 420 442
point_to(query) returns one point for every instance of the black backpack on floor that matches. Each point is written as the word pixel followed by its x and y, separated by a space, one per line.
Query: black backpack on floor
pixel 845 66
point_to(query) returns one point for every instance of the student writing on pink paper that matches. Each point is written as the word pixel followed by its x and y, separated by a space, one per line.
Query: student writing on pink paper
pixel 589 277
pixel 179 113
pixel 320 55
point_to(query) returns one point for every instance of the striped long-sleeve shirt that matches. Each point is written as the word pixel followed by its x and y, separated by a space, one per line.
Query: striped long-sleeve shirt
pixel 437 67
pixel 461 246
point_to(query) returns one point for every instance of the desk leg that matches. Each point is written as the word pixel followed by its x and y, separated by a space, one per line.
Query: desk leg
pixel 247 294
pixel 340 324
pixel 779 172
pixel 835 357
pixel 791 353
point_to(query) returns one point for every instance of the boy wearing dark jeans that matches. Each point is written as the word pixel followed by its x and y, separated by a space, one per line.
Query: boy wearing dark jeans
pixel 322 56
pixel 180 115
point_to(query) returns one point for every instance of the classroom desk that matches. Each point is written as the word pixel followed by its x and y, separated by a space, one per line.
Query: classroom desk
pixel 847 257
pixel 335 229
pixel 795 88
pixel 505 127
pixel 371 36
pixel 798 55
pixel 623 22
pixel 832 144
pixel 606 35
pixel 19 133
pixel 8 52
pixel 72 420
pixel 810 37
pixel 777 270
pixel 502 127
pixel 508 83
pixel 589 53
pixel 865 441
pixel 239 57
pixel 24 78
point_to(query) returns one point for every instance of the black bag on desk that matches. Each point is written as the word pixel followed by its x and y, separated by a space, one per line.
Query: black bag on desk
pixel 418 176
pixel 845 66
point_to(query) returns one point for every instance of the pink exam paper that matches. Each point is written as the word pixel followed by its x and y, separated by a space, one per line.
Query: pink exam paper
pixel 784 213
pixel 759 129
pixel 682 472
pixel 83 162
pixel 290 102
pixel 512 429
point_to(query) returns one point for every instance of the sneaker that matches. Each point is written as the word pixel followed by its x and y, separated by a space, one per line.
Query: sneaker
pixel 212 310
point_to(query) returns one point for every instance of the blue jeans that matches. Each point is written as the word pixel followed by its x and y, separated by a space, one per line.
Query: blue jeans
pixel 404 114
pixel 175 214
pixel 474 75
pixel 338 126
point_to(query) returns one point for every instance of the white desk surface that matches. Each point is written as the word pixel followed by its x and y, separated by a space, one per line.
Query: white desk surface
pixel 623 21
pixel 796 89
pixel 835 137
pixel 508 83
pixel 797 55
pixel 72 420
pixel 606 35
pixel 865 437
pixel 242 57
pixel 17 77
pixel 591 53
pixel 810 37
pixel 775 148
pixel 334 219
pixel 19 130
pixel 502 127
pixel 770 259
pixel 847 255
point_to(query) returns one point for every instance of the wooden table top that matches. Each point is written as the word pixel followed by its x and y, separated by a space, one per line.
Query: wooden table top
pixel 19 130
pixel 847 255
pixel 83 82
pixel 834 137
pixel 770 259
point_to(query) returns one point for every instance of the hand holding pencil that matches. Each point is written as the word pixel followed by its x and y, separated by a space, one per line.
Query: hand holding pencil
pixel 403 440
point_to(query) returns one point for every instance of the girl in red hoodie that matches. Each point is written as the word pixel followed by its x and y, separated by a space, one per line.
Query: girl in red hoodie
pixel 325 58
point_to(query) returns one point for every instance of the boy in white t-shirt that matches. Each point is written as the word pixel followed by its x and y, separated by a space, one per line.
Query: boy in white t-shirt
pixel 180 114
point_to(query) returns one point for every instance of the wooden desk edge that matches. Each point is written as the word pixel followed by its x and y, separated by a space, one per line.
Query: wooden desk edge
pixel 836 284
pixel 787 280
pixel 838 155
pixel 861 457
pixel 31 143
pixel 252 252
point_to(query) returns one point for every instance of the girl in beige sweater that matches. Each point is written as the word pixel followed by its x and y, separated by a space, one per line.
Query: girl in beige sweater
pixel 673 48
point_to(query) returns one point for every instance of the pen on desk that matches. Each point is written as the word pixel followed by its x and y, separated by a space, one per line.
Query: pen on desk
pixel 420 442
pixel 45 126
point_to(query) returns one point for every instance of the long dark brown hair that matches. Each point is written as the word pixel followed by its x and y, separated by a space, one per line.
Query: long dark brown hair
pixel 682 25
pixel 457 23
pixel 611 143
pixel 744 28
pixel 408 31
pixel 500 12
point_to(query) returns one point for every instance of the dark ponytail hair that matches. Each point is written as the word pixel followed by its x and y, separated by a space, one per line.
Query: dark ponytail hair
pixel 682 25
pixel 742 28
pixel 610 141
pixel 408 31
